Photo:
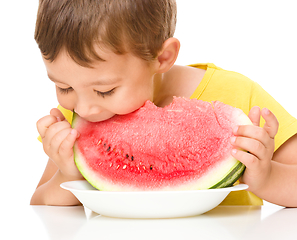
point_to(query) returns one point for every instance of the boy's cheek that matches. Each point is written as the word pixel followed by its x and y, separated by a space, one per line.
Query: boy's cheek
pixel 66 102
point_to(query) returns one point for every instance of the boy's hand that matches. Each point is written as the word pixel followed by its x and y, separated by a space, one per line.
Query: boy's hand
pixel 258 144
pixel 58 139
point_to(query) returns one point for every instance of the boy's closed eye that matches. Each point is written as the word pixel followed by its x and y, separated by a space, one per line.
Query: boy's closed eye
pixel 65 90
pixel 107 93
pixel 101 94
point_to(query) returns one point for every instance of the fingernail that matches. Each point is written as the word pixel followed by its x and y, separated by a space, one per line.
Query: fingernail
pixel 266 111
pixel 73 132
pixel 58 119
pixel 235 129
pixel 232 139
pixel 234 151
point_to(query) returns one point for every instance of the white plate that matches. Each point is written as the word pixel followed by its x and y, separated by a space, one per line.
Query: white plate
pixel 151 204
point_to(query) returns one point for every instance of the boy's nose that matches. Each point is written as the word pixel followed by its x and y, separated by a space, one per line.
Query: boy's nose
pixel 86 111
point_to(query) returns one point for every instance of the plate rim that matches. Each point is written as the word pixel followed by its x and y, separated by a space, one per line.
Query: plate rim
pixel 238 187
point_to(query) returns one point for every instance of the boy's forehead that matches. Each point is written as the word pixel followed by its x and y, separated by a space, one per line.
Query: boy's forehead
pixel 105 54
pixel 98 82
pixel 106 72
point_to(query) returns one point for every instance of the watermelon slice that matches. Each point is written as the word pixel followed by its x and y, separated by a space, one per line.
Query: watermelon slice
pixel 183 146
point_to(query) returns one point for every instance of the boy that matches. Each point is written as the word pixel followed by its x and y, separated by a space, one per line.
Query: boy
pixel 109 57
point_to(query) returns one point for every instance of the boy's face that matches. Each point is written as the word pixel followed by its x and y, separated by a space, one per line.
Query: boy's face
pixel 119 85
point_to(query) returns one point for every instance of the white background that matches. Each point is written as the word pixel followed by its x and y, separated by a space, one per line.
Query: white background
pixel 256 38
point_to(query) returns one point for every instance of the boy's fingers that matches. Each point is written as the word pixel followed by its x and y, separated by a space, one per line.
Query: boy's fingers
pixel 271 122
pixel 54 129
pixel 249 160
pixel 57 140
pixel 253 132
pixel 264 134
pixel 251 146
pixel 57 113
pixel 254 115
pixel 66 147
pixel 44 123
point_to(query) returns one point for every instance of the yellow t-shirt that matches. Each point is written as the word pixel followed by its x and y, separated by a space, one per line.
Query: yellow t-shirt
pixel 238 91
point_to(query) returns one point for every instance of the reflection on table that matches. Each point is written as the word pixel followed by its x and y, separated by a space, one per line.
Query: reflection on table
pixel 223 222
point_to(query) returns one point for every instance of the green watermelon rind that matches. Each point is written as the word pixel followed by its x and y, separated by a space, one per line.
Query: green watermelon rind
pixel 231 177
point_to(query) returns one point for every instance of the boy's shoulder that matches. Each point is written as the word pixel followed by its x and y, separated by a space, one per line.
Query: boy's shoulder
pixel 183 80
pixel 219 76
pixel 223 74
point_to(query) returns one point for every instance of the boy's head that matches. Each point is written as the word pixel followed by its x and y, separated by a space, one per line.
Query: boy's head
pixel 78 26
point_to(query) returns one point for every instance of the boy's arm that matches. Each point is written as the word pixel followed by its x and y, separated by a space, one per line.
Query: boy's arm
pixel 271 176
pixel 48 173
pixel 282 186
pixel 49 192
pixel 58 139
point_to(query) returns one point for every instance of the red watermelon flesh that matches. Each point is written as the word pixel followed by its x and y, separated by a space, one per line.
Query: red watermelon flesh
pixel 183 146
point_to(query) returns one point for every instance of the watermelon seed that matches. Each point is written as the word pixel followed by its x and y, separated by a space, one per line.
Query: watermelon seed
pixel 118 166
pixel 108 149
pixel 124 166
pixel 99 142
pixel 127 156
pixel 132 158
pixel 110 164
pixel 151 167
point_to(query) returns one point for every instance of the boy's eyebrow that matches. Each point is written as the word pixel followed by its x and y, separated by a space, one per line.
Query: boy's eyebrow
pixel 53 79
pixel 104 82
pixel 98 82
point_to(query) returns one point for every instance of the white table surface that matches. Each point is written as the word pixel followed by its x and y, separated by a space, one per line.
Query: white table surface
pixel 223 222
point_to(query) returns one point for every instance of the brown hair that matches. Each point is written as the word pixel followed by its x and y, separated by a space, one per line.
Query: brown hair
pixel 139 26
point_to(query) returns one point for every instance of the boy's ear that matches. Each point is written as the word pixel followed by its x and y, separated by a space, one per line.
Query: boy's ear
pixel 168 54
